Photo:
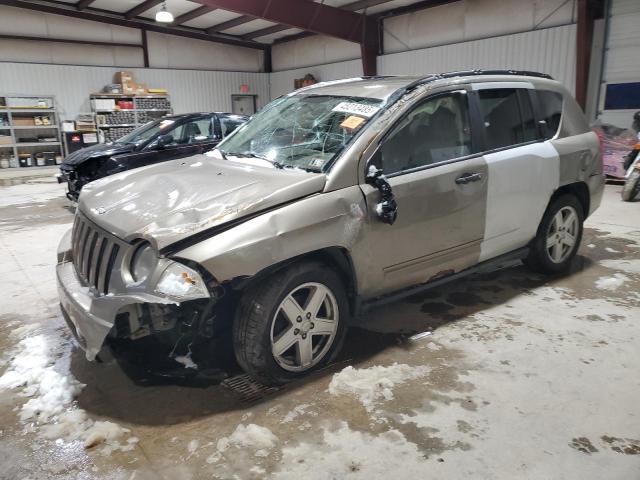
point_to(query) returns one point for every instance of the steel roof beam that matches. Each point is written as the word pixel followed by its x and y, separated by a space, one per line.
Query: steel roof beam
pixel 234 22
pixel 141 8
pixel 198 12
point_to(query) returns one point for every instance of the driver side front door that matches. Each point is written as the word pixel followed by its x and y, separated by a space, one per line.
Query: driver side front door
pixel 440 187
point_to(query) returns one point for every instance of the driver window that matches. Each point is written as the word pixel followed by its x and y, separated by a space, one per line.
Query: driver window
pixel 435 131
pixel 196 131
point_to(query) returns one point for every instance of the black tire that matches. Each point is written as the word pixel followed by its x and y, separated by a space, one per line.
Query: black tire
pixel 257 310
pixel 539 258
pixel 631 186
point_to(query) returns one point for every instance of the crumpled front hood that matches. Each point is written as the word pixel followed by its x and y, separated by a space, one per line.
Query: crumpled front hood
pixel 95 151
pixel 171 201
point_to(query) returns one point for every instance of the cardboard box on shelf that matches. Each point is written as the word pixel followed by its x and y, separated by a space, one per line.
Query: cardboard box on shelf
pixel 85 126
pixel 5 140
pixel 128 89
pixel 103 103
pixel 123 77
pixel 24 121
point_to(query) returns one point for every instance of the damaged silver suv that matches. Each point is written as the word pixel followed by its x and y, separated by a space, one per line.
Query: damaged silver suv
pixel 329 201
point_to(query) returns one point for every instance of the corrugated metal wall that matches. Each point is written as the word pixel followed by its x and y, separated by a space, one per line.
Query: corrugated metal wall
pixel 550 50
pixel 621 63
pixel 282 82
pixel 190 90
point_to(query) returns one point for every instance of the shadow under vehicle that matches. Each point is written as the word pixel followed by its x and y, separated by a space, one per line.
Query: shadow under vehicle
pixel 168 138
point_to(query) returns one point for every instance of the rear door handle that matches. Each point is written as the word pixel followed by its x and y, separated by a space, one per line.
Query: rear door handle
pixel 468 177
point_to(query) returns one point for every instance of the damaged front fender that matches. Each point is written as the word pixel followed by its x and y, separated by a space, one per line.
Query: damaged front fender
pixel 318 222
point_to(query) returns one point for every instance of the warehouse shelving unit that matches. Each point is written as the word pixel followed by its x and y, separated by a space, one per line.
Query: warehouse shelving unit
pixel 17 112
pixel 113 122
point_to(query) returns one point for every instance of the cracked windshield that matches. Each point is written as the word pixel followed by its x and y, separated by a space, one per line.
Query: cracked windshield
pixel 305 132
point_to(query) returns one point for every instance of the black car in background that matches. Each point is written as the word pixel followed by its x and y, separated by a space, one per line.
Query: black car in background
pixel 167 138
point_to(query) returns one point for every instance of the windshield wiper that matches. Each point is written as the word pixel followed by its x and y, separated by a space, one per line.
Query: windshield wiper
pixel 253 155
pixel 224 155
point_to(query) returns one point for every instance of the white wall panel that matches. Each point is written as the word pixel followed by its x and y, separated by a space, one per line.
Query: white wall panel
pixel 314 50
pixel 282 82
pixel 18 21
pixel 190 90
pixel 171 51
pixel 550 50
pixel 472 20
pixel 69 53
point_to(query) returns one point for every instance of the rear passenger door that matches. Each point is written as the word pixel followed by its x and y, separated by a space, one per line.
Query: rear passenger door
pixel 523 167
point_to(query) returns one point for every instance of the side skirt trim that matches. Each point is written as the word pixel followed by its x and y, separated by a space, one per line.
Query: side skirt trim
pixel 363 305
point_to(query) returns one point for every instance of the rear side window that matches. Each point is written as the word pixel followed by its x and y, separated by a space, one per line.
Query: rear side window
pixel 507 117
pixel 550 111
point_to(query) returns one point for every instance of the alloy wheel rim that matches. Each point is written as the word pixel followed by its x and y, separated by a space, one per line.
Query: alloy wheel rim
pixel 562 234
pixel 304 327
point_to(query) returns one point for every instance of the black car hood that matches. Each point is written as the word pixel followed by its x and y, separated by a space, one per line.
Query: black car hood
pixel 95 151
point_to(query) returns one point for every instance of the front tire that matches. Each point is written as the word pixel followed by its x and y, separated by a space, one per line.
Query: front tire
pixel 558 237
pixel 290 323
pixel 631 186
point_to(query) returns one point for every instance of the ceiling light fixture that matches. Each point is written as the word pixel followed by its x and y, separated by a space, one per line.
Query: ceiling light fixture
pixel 164 16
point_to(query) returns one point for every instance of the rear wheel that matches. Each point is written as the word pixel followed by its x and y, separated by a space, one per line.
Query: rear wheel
pixel 558 237
pixel 631 187
pixel 290 324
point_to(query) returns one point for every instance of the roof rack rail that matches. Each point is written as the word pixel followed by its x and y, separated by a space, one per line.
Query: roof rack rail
pixel 462 73
pixel 468 73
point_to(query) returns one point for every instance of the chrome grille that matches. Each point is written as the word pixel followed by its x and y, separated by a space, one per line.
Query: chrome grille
pixel 94 254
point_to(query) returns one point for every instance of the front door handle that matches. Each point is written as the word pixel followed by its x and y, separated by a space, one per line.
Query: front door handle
pixel 468 177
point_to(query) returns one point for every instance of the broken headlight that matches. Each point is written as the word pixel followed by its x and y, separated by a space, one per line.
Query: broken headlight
pixel 143 262
pixel 181 283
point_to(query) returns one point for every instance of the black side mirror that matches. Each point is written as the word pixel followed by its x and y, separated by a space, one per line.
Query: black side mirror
pixel 387 209
pixel 163 141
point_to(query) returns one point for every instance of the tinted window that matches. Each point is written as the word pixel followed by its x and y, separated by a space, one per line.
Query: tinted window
pixel 528 118
pixel 550 110
pixel 229 124
pixel 196 131
pixel 507 116
pixel 435 131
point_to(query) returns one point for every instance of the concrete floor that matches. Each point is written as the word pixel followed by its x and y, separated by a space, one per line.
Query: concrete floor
pixel 522 377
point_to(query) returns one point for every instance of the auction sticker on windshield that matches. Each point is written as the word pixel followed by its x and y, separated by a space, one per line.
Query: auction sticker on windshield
pixel 356 109
pixel 352 122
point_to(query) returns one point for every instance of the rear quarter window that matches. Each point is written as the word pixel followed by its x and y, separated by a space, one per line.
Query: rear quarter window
pixel 507 117
pixel 550 105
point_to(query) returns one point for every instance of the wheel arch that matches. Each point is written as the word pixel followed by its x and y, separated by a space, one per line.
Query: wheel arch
pixel 337 258
pixel 580 190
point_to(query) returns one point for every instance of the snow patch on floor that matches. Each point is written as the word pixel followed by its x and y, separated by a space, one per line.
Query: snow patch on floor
pixel 631 266
pixel 345 453
pixel 34 371
pixel 298 411
pixel 611 283
pixel 246 436
pixel 30 193
pixel 374 384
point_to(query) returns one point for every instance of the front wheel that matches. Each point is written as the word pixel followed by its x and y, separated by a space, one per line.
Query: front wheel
pixel 631 186
pixel 558 237
pixel 291 323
